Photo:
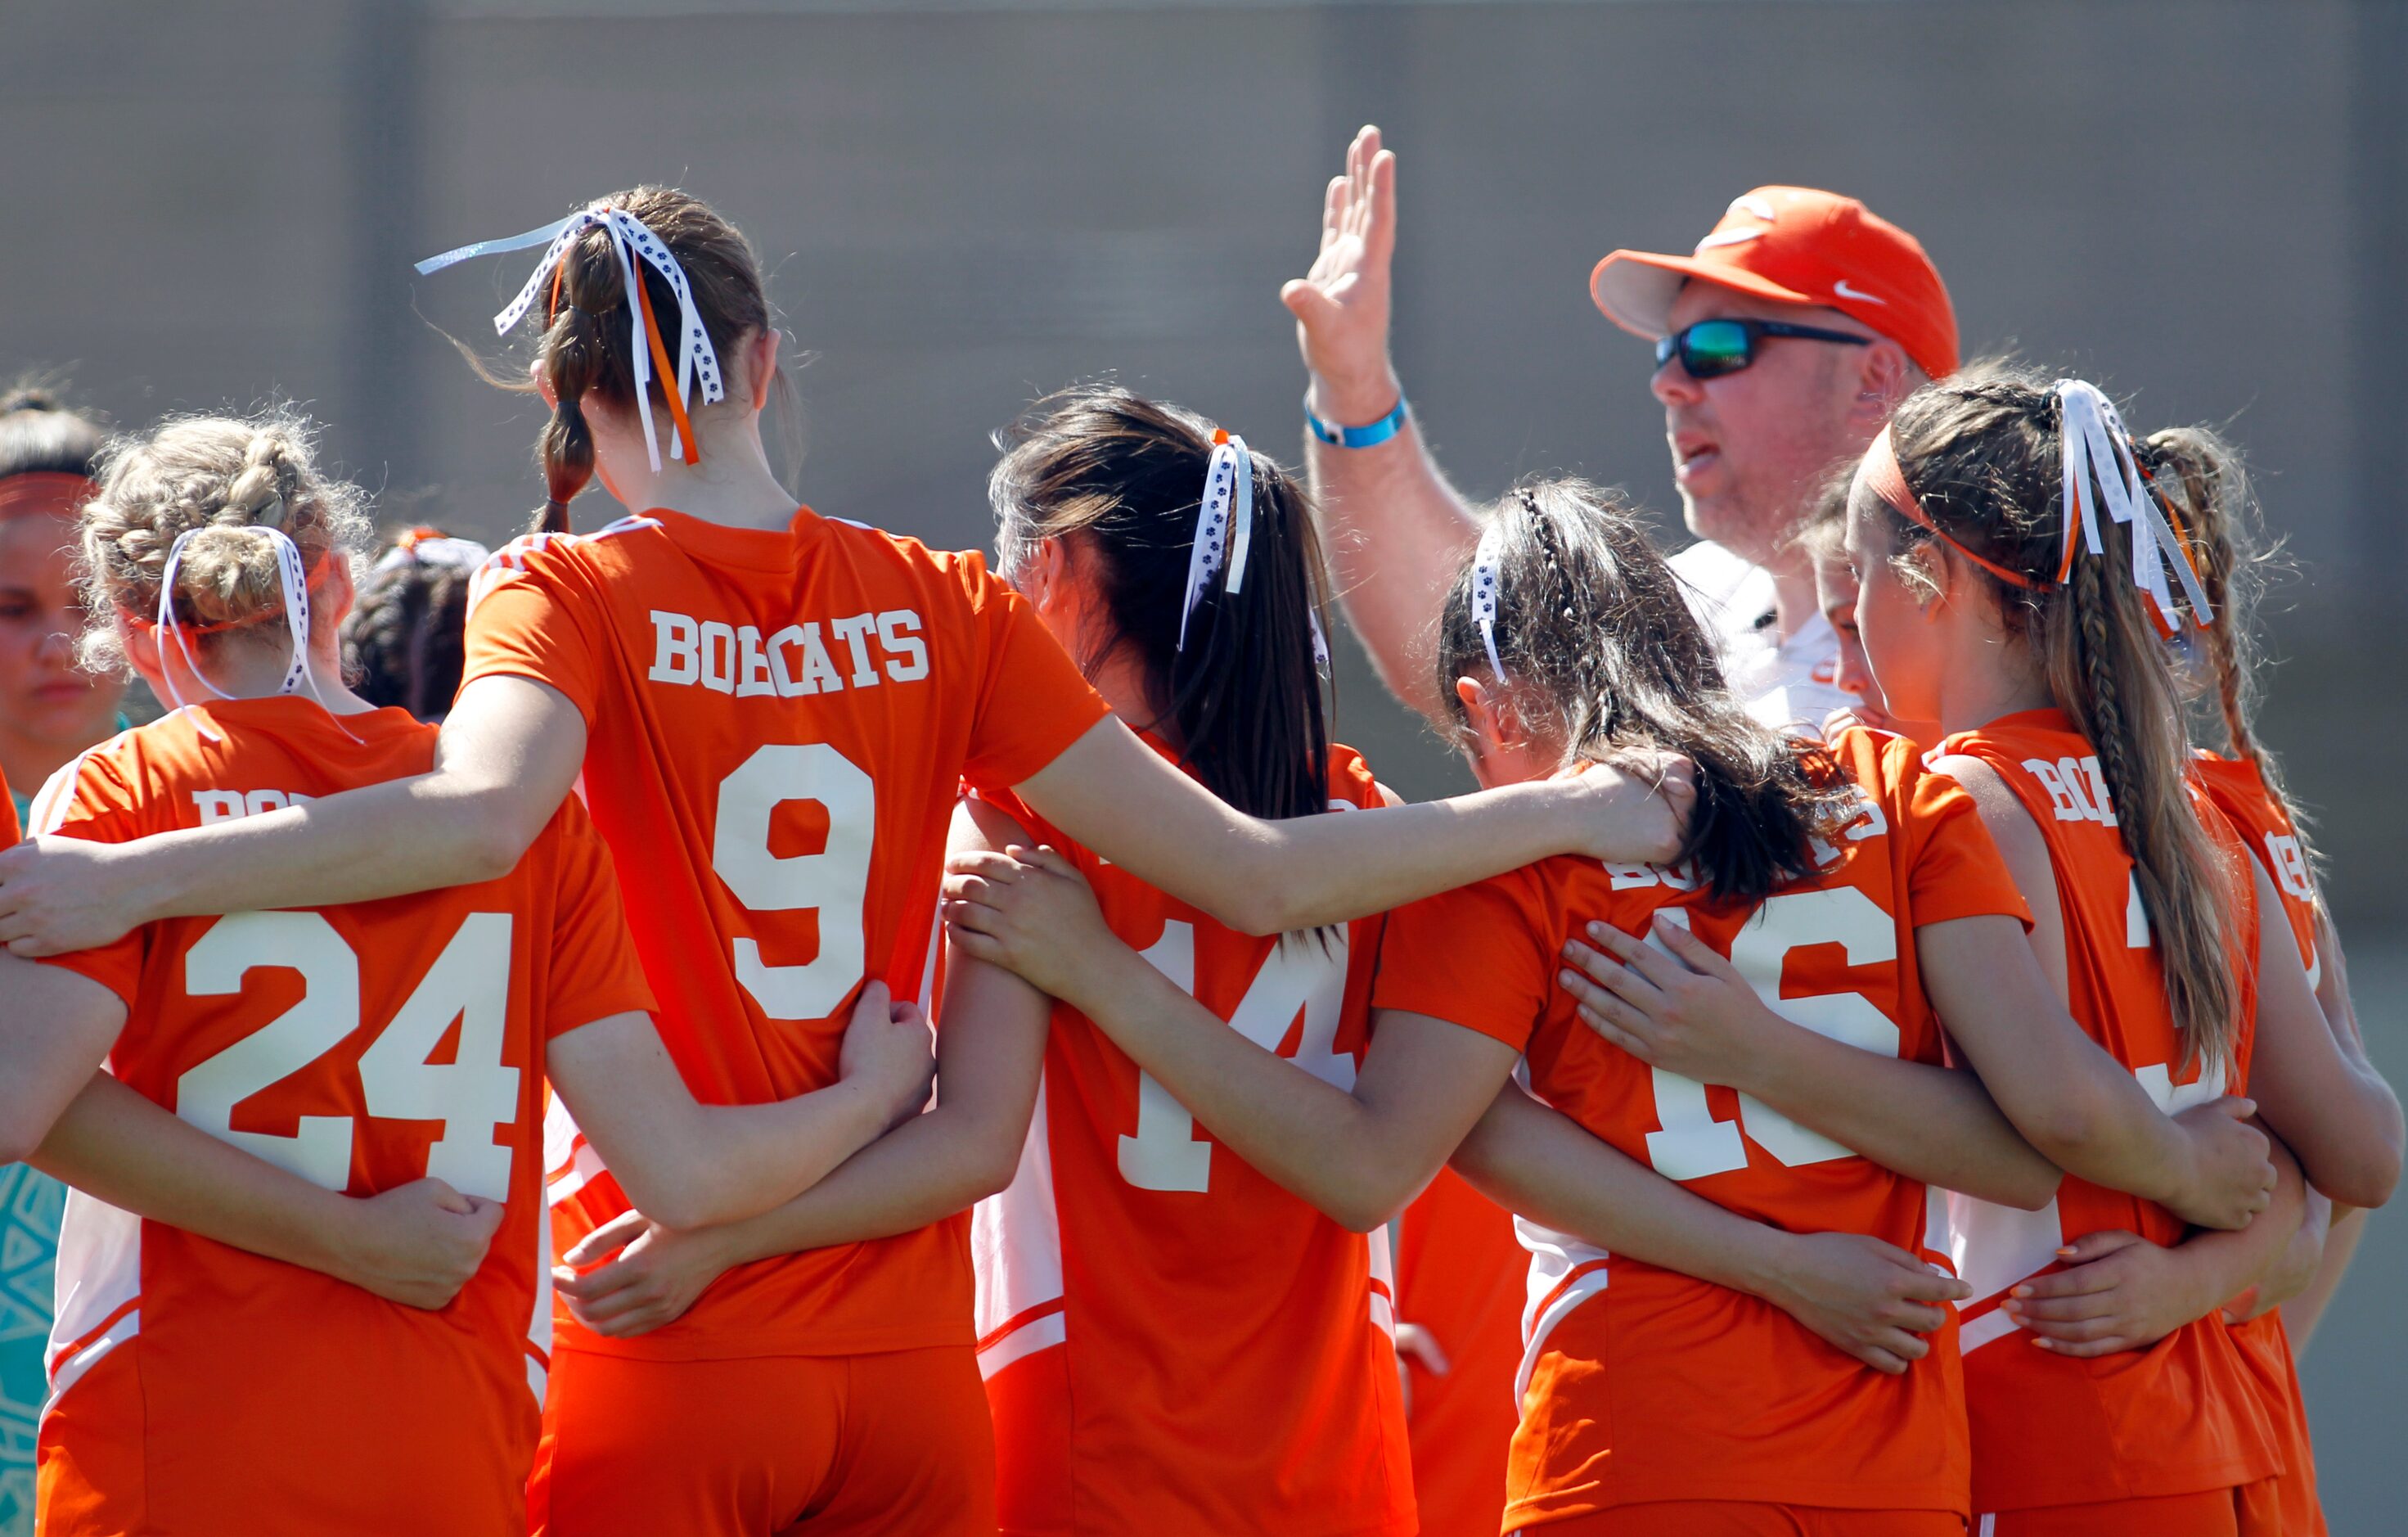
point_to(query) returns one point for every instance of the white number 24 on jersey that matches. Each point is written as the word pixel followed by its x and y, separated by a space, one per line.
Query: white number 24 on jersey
pixel 472 1095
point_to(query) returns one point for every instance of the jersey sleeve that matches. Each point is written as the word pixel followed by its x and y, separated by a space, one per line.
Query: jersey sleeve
pixel 594 971
pixel 527 619
pixel 1958 872
pixel 1032 702
pixel 93 799
pixel 1477 956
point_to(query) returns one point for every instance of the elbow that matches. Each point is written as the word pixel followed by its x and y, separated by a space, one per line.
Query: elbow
pixel 2367 1180
pixel 674 1201
pixel 2072 1134
pixel 2030 1189
pixel 1368 1202
pixel 1258 907
pixel 991 1172
pixel 17 1146
pixel 504 833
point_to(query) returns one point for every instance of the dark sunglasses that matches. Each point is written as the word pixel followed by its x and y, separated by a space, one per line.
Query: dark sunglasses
pixel 1713 347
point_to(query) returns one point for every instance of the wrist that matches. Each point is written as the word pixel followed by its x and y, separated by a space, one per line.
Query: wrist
pixel 336 1241
pixel 1354 400
pixel 1763 1265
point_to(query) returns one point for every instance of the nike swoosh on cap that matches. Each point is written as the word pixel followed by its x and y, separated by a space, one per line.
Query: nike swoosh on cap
pixel 1846 289
pixel 1755 206
pixel 1728 238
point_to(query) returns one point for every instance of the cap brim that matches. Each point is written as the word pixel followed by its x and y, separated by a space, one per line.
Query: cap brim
pixel 1636 288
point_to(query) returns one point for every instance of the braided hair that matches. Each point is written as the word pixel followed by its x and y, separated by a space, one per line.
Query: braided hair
pixel 221 479
pixel 1981 453
pixel 1600 649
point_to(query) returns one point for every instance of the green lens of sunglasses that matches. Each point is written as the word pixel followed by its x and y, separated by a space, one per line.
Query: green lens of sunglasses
pixel 1715 347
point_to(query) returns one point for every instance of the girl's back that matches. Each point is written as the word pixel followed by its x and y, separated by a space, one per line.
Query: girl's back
pixel 362 1047
pixel 1641 1384
pixel 2055 1430
pixel 778 722
pixel 1171 1340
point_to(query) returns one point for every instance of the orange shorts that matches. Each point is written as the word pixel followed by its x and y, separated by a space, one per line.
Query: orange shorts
pixel 1741 1518
pixel 2210 1512
pixel 826 1445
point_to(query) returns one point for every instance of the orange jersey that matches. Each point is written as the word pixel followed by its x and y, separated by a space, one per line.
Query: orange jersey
pixel 9 831
pixel 1639 1383
pixel 2182 1415
pixel 196 1387
pixel 1459 1270
pixel 1172 1341
pixel 2239 791
pixel 778 723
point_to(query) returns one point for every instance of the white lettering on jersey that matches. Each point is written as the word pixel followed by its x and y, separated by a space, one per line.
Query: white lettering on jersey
pixel 794 662
pixel 2290 864
pixel 2077 790
pixel 225 805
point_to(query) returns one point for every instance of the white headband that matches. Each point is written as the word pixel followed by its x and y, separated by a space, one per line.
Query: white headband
pixel 295 579
pixel 630 239
pixel 2095 446
pixel 1486 589
pixel 1224 520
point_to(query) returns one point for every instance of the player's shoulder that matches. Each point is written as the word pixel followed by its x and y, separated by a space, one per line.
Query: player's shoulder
pixel 1351 780
pixel 115 773
pixel 555 555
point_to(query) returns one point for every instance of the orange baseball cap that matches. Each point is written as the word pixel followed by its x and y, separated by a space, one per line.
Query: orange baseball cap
pixel 1796 245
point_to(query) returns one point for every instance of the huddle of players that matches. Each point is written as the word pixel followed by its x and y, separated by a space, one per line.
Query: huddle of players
pixel 302 1283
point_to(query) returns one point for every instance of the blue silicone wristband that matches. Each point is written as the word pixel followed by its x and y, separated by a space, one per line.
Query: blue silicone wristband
pixel 1355 437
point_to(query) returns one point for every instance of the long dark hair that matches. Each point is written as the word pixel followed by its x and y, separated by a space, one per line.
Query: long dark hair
pixel 1599 646
pixel 1122 478
pixel 1980 453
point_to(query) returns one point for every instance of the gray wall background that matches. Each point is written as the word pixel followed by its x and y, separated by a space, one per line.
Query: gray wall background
pixel 966 203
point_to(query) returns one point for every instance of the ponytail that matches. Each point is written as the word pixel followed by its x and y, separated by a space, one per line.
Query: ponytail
pixel 1234 681
pixel 2205 476
pixel 1597 646
pixel 1981 461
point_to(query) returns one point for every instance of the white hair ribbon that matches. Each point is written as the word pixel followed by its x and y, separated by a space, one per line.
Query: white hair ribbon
pixel 1486 586
pixel 292 575
pixel 435 550
pixel 1225 519
pixel 2097 449
pixel 631 239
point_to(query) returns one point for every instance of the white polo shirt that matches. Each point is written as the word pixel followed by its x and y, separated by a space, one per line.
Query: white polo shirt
pixel 1790 683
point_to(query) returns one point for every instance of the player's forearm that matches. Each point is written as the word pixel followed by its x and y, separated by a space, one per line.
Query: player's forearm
pixel 924 1170
pixel 385 840
pixel 1926 1122
pixel 121 1148
pixel 2220 1265
pixel 1537 1163
pixel 1314 1141
pixel 1395 531
pixel 2301 1314
pixel 718 1164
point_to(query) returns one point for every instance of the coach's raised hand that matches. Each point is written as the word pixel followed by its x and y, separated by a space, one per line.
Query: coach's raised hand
pixel 1341 305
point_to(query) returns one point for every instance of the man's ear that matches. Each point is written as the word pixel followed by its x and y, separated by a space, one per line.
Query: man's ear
pixel 1884 376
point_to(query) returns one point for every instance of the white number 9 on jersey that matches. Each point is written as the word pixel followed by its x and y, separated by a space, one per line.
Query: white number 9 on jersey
pixel 834 881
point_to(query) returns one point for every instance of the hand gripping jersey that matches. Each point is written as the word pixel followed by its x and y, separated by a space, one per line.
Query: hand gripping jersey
pixel 2181 1417
pixel 1173 1343
pixel 199 1388
pixel 1639 1383
pixel 778 722
pixel 2286 1504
